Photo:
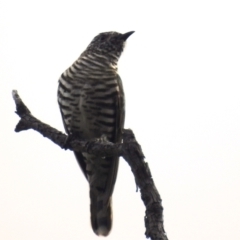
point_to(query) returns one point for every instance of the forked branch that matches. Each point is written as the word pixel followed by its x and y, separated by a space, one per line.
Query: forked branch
pixel 130 150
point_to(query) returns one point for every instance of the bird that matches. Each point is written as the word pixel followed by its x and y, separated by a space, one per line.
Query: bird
pixel 92 105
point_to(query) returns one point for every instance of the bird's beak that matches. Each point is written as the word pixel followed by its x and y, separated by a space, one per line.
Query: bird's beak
pixel 126 35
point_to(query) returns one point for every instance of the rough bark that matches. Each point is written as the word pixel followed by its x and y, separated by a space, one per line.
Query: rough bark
pixel 130 150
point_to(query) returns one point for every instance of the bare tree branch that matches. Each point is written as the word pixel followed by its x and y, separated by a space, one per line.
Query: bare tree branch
pixel 130 150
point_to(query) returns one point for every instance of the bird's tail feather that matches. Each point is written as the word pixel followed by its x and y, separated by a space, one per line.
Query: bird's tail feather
pixel 101 215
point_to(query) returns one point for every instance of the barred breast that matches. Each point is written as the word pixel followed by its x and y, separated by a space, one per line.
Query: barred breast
pixel 88 95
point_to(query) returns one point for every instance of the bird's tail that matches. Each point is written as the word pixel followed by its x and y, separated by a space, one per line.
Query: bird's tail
pixel 101 174
pixel 101 214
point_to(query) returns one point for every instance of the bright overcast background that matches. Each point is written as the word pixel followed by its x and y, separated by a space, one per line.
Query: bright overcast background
pixel 181 76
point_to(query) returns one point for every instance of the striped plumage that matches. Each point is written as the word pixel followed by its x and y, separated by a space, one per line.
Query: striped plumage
pixel 91 100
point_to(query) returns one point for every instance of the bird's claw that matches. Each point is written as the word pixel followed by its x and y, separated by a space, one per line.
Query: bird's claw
pixel 67 142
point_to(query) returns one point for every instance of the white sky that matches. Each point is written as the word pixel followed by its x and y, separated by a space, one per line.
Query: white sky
pixel 181 77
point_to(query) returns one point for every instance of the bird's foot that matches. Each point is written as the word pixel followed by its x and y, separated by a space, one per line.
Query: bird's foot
pixel 67 142
pixel 102 139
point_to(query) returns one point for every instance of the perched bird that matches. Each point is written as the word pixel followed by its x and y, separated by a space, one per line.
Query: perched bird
pixel 91 101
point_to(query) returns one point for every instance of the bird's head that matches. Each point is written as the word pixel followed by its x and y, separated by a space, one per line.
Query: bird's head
pixel 109 43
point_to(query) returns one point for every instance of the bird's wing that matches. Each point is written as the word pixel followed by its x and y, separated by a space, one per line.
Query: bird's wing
pixel 80 158
pixel 101 210
pixel 119 124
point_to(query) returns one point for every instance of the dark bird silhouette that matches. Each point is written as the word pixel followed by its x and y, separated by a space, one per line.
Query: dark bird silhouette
pixel 91 101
